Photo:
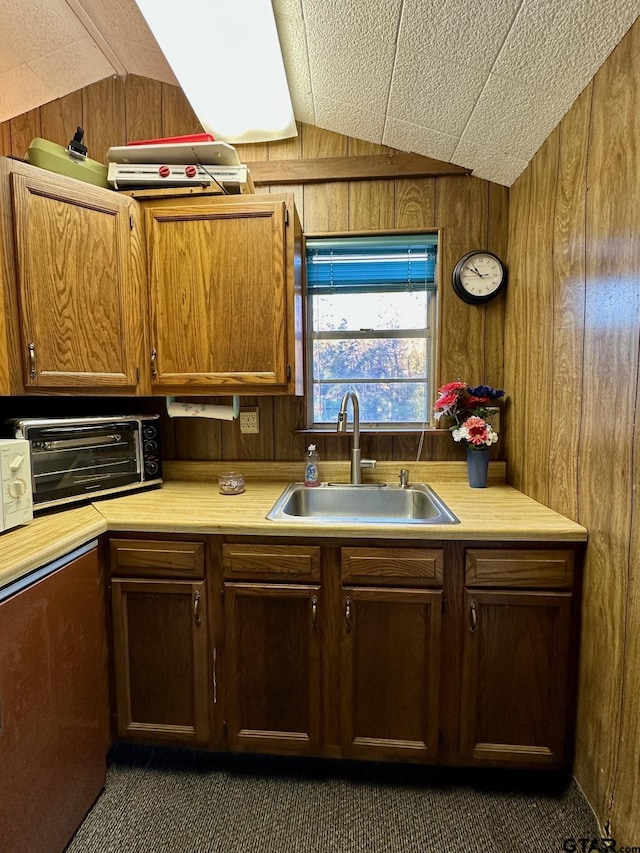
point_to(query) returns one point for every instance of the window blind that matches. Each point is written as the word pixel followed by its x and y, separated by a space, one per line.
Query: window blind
pixel 378 264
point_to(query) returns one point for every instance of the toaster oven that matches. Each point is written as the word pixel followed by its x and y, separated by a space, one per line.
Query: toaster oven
pixel 83 458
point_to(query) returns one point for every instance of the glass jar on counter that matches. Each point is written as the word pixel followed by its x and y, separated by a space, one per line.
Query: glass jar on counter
pixel 231 483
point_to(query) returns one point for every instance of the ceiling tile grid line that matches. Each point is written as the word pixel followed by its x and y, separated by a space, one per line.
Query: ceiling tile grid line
pixel 516 12
pixel 101 42
pixel 393 69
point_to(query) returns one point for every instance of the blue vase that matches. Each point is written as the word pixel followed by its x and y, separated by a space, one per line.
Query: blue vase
pixel 477 467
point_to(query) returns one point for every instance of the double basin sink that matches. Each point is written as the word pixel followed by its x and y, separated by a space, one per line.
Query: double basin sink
pixel 377 503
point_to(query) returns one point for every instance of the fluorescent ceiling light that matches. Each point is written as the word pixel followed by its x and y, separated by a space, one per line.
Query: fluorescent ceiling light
pixel 226 56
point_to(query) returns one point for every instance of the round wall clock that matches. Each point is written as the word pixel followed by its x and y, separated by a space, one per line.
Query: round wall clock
pixel 478 277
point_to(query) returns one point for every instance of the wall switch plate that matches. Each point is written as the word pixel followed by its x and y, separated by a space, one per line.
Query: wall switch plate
pixel 249 422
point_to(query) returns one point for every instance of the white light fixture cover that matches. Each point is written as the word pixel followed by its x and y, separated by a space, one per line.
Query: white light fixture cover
pixel 226 56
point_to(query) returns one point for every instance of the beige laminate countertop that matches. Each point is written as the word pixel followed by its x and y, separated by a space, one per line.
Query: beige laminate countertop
pixel 498 513
pixel 46 538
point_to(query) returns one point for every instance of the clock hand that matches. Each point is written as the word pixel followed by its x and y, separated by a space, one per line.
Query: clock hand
pixel 476 271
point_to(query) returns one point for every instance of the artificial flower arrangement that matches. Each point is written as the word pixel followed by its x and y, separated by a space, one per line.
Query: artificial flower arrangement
pixel 468 409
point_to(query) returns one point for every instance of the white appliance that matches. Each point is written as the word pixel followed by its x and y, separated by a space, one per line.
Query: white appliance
pixel 176 153
pixel 125 175
pixel 16 498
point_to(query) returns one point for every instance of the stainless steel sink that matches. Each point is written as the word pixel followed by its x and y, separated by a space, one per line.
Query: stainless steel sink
pixel 378 503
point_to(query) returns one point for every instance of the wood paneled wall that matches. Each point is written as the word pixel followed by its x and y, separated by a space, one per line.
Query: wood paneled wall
pixel 572 344
pixel 472 214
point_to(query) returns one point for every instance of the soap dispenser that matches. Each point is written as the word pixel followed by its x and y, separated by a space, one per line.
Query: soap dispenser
pixel 311 476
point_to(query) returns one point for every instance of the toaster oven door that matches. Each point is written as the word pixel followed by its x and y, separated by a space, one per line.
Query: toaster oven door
pixel 71 461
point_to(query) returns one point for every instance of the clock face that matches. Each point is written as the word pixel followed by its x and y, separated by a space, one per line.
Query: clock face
pixel 478 277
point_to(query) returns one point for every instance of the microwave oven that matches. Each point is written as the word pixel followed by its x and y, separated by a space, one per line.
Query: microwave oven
pixel 84 458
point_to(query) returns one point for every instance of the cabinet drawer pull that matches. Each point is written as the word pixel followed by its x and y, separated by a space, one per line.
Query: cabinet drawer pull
pixel 154 358
pixel 196 608
pixel 314 611
pixel 32 360
pixel 473 617
pixel 347 615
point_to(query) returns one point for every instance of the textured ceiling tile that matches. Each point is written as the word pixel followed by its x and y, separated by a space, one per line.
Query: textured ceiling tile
pixel 563 44
pixel 465 31
pixel 355 71
pixel 8 58
pixel 349 120
pixel 513 118
pixel 121 20
pixel 145 60
pixel 420 140
pixel 73 67
pixel 22 90
pixel 303 108
pixel 50 25
pixel 488 163
pixel 356 19
pixel 420 61
pixel 293 43
pixel 287 7
pixel 438 95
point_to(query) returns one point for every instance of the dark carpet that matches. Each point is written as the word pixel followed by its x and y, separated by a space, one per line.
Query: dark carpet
pixel 180 801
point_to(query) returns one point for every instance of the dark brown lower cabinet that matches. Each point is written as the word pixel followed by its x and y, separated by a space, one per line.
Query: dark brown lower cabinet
pixel 53 706
pixel 441 652
pixel 163 691
pixel 272 642
pixel 390 673
pixel 515 677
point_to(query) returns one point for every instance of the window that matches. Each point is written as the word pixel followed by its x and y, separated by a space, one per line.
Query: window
pixel 371 327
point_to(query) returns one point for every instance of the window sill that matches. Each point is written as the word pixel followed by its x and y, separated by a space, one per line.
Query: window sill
pixel 326 433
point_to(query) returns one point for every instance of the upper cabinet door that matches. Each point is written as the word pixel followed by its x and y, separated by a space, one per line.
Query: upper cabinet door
pixel 80 321
pixel 221 296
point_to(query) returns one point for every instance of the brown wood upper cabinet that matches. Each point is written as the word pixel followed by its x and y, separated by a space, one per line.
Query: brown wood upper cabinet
pixel 79 306
pixel 225 295
pixel 106 293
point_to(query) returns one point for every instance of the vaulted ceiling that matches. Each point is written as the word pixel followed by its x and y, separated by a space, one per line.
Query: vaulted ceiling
pixel 478 83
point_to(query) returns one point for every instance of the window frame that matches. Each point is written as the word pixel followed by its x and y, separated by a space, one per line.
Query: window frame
pixel 434 338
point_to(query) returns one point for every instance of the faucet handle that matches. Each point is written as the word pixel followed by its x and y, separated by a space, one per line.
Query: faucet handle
pixel 367 463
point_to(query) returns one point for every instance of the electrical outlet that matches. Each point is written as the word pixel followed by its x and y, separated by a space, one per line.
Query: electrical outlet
pixel 249 422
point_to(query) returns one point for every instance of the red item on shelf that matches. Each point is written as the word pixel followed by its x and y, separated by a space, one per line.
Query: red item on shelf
pixel 171 140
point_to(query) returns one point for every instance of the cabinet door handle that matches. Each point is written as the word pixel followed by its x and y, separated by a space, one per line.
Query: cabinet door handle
pixel 154 358
pixel 347 615
pixel 215 676
pixel 473 617
pixel 196 608
pixel 314 611
pixel 32 360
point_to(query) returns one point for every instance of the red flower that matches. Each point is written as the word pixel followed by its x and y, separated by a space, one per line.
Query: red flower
pixel 472 401
pixel 477 430
pixel 446 400
pixel 452 386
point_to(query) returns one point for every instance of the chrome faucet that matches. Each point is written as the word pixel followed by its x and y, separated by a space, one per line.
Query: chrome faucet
pixel 357 463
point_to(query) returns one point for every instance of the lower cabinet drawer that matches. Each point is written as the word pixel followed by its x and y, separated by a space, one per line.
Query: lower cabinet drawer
pixel 415 567
pixel 157 559
pixel 537 568
pixel 271 562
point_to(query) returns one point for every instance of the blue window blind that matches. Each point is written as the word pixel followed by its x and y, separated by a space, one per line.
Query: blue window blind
pixel 397 263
